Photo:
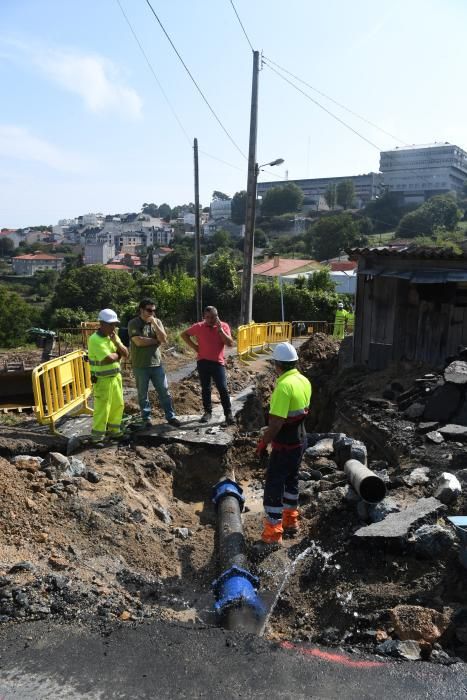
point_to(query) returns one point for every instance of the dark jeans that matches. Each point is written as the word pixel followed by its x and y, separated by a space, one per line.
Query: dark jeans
pixel 213 371
pixel 281 487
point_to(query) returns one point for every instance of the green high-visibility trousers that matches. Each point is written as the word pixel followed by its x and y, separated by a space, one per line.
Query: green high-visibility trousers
pixel 108 407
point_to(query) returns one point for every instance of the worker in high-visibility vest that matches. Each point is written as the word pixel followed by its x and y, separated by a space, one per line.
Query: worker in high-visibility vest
pixel 105 349
pixel 290 402
pixel 339 321
pixel 350 322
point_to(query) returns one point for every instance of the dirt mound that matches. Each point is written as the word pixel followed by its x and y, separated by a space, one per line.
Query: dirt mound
pixel 317 348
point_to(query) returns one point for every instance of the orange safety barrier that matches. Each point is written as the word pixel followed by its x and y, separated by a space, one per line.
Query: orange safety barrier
pixel 60 386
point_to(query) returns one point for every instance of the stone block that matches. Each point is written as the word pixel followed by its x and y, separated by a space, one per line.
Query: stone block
pixel 379 511
pixel 448 488
pixel 419 624
pixel 435 437
pixel 456 372
pixel 454 432
pixel 414 411
pixel 396 527
pixel 433 541
pixel 323 448
pixel 418 476
pixel 408 650
pixel 347 448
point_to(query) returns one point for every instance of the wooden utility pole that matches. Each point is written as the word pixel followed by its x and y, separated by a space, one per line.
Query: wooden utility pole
pixel 199 292
pixel 246 310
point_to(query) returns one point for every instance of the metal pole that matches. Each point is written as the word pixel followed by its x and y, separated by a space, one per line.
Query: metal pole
pixel 282 297
pixel 199 293
pixel 246 311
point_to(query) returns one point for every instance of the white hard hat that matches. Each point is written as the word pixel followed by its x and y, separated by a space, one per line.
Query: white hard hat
pixel 340 305
pixel 284 352
pixel 108 316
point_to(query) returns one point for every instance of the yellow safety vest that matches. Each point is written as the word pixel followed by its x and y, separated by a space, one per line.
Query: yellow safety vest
pixel 99 347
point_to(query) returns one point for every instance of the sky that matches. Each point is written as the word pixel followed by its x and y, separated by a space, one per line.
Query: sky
pixel 85 126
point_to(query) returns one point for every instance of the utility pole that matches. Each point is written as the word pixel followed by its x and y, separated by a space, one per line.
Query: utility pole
pixel 246 310
pixel 199 297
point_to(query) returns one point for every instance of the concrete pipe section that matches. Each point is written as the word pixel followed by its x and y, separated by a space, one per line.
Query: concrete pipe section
pixel 237 605
pixel 369 487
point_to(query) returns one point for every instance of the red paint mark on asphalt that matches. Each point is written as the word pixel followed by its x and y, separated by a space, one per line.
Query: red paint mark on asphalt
pixel 333 657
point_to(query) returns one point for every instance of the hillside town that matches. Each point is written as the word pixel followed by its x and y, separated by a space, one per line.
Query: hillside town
pixel 233 391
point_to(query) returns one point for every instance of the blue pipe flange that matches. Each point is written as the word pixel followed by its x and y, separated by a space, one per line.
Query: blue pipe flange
pixel 237 587
pixel 228 487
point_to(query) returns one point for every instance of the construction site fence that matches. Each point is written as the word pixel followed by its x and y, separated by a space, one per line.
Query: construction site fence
pixel 303 329
pixel 60 386
pixel 256 338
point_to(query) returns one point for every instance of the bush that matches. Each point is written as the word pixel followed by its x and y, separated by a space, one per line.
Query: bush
pixel 15 319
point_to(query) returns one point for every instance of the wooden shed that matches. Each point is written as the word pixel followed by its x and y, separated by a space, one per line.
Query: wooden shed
pixel 411 304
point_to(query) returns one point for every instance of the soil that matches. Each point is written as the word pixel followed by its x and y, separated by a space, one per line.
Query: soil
pixel 134 536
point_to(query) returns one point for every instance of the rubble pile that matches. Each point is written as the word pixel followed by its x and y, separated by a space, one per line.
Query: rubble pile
pixel 365 566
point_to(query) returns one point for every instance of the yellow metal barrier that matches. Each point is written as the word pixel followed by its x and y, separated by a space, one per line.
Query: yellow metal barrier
pixel 60 386
pixel 256 337
pixel 279 333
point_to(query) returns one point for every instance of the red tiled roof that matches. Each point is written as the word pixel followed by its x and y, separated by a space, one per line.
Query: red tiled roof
pixel 344 266
pixel 166 250
pixel 285 266
pixel 37 256
pixel 118 267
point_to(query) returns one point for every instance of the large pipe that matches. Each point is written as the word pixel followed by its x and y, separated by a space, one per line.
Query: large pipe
pixel 236 590
pixel 365 482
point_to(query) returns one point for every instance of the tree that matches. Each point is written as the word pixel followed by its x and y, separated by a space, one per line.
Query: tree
pixel 93 287
pixel 45 282
pixel 260 238
pixel 150 209
pixel 220 195
pixel 16 317
pixel 220 271
pixel 345 194
pixel 385 211
pixel 330 195
pixel 180 259
pixel 6 247
pixel 165 211
pixel 440 211
pixel 332 234
pixel 282 199
pixel 221 239
pixel 238 209
pixel 321 280
pixel 150 260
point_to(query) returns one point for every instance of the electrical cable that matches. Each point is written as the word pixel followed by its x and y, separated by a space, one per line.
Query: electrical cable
pixel 172 109
pixel 194 81
pixel 339 104
pixel 318 104
pixel 154 74
pixel 241 24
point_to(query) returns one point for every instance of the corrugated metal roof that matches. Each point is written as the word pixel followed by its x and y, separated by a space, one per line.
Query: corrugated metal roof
pixel 419 277
pixel 411 251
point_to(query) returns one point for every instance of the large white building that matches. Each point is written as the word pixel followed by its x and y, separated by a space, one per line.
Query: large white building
pixel 99 253
pixel 419 172
pixel 221 209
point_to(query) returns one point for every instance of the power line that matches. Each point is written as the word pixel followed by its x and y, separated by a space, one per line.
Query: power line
pixel 339 104
pixel 241 24
pixel 172 109
pixel 318 104
pixel 194 81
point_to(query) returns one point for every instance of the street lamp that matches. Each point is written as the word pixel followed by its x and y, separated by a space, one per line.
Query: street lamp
pixel 248 247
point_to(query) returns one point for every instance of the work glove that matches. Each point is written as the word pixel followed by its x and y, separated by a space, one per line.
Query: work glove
pixel 261 448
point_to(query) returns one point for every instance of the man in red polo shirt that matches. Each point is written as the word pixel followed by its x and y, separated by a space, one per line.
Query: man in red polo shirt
pixel 211 335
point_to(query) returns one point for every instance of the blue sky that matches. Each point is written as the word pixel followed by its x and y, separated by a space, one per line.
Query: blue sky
pixel 84 126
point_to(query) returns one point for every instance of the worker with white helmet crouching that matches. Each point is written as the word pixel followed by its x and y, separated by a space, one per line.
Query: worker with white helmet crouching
pixel 286 434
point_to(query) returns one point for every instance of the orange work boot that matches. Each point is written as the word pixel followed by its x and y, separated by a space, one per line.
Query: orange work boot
pixel 272 534
pixel 290 521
